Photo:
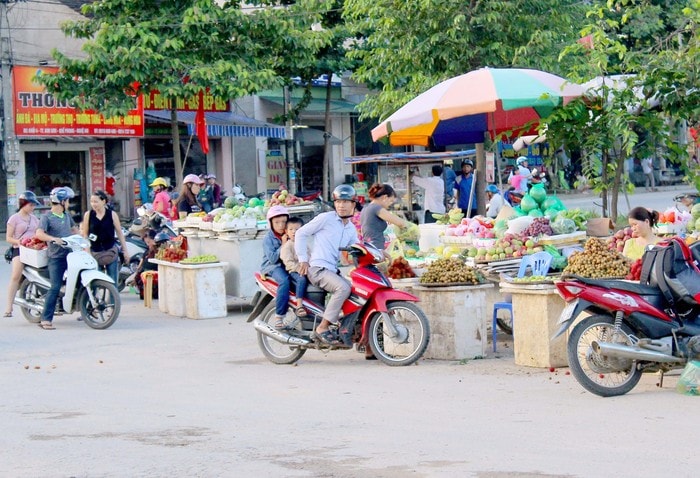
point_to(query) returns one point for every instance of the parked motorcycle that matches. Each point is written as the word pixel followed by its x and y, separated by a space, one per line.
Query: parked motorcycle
pixel 85 288
pixel 632 330
pixel 375 315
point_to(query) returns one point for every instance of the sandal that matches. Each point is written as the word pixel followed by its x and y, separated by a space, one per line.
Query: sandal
pixel 280 325
pixel 326 338
pixel 7 314
pixel 46 325
pixel 300 312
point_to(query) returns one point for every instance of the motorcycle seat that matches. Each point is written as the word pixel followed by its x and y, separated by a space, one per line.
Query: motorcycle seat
pixel 634 287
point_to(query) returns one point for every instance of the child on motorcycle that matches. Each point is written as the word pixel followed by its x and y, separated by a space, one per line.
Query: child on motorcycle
pixel 291 263
pixel 272 266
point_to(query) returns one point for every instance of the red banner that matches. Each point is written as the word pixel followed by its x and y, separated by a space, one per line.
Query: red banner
pixel 97 169
pixel 38 113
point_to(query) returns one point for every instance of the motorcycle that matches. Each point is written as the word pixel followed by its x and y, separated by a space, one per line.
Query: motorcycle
pixel 375 315
pixel 632 330
pixel 85 288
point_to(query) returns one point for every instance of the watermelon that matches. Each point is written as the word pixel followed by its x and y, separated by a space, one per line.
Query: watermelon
pixel 230 202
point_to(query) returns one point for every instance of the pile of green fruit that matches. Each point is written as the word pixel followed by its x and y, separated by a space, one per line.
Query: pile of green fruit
pixel 526 279
pixel 201 259
pixel 453 216
pixel 446 271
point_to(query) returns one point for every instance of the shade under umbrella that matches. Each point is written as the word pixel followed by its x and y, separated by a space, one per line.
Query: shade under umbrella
pixel 461 109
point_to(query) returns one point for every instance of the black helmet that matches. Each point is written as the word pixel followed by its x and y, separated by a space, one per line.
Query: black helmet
pixel 161 237
pixel 344 192
pixel 468 162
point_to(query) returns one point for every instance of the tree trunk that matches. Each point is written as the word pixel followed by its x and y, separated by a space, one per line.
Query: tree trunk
pixel 327 142
pixel 619 167
pixel 176 146
pixel 604 180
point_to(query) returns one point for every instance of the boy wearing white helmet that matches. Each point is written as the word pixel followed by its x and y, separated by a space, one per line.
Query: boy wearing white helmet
pixel 272 263
pixel 53 226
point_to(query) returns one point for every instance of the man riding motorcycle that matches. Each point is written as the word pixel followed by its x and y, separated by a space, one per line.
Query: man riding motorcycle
pixel 331 231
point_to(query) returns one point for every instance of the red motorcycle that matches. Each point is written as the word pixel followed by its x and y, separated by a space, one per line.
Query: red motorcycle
pixel 375 315
pixel 634 327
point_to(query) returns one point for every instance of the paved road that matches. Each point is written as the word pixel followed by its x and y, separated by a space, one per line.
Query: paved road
pixel 159 396
pixel 659 200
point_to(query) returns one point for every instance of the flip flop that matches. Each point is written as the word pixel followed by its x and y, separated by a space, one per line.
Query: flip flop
pixel 7 314
pixel 46 326
pixel 300 312
pixel 326 338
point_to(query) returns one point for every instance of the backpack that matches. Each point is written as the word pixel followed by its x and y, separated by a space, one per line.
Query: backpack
pixel 674 268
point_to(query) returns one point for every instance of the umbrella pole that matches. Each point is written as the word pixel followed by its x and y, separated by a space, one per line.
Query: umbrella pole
pixel 471 194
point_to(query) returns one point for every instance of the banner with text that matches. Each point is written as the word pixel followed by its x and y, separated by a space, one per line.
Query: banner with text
pixel 97 169
pixel 38 113
pixel 276 169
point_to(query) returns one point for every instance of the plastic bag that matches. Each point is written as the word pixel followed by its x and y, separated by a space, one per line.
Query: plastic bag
pixel 690 378
pixel 395 249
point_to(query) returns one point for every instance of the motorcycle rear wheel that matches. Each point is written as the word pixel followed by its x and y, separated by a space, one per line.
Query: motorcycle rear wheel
pixel 31 292
pixel 108 305
pixel 603 376
pixel 410 316
pixel 276 352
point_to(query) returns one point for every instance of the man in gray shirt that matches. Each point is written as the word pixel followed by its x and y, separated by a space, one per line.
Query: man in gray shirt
pixel 54 225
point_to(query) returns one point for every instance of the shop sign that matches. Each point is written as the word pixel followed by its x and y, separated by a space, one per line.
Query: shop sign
pixel 490 167
pixel 276 169
pixel 38 113
pixel 97 169
pixel 156 101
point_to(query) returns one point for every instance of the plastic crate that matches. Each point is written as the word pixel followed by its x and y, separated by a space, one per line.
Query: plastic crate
pixel 33 257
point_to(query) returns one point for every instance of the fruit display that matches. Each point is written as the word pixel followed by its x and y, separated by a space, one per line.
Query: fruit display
pixel 200 259
pixel 530 279
pixel 538 227
pixel 597 261
pixel 282 197
pixel 453 216
pixel 635 270
pixel 171 253
pixel 400 269
pixel 694 221
pixel 33 243
pixel 579 216
pixel 616 242
pixel 446 271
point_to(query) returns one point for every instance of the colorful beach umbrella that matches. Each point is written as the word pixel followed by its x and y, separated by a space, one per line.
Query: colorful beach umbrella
pixel 460 110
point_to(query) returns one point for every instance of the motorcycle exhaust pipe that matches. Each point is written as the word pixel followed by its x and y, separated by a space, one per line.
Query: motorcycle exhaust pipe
pixel 27 305
pixel 625 351
pixel 278 335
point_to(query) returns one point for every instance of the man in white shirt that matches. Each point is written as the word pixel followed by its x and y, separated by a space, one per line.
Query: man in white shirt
pixel 434 186
pixel 496 201
pixel 648 170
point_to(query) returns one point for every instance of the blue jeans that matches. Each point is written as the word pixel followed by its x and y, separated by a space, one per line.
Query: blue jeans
pixel 57 266
pixel 282 300
pixel 112 270
pixel 301 282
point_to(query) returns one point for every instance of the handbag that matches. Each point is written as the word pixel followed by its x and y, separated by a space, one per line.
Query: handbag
pixel 105 258
pixel 8 255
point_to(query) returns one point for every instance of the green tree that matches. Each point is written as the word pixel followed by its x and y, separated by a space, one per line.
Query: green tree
pixel 406 47
pixel 181 48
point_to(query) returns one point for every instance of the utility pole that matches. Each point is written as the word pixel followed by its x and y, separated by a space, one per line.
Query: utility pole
pixel 289 144
pixel 10 142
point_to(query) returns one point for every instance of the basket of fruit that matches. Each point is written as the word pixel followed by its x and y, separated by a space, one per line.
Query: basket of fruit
pixel 598 261
pixel 450 272
pixel 33 252
pixel 171 253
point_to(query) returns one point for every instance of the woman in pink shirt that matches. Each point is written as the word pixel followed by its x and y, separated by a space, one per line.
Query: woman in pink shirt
pixel 161 201
pixel 21 225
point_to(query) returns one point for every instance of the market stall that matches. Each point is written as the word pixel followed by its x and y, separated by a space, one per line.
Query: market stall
pixel 394 169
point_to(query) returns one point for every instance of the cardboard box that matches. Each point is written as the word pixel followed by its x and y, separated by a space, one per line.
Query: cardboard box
pixel 599 226
pixel 34 258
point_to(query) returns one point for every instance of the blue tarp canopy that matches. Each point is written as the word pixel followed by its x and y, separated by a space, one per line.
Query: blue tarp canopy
pixel 222 124
pixel 415 157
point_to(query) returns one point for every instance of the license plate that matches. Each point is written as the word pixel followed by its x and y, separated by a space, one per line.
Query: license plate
pixel 567 312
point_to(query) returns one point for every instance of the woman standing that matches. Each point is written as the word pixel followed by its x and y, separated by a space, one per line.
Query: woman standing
pixel 642 221
pixel 100 225
pixel 375 217
pixel 161 200
pixel 187 200
pixel 21 225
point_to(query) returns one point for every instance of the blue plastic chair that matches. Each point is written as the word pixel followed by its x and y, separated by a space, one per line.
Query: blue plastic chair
pixel 538 263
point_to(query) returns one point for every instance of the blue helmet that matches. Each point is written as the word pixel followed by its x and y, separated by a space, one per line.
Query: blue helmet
pixel 492 188
pixel 60 194
pixel 29 196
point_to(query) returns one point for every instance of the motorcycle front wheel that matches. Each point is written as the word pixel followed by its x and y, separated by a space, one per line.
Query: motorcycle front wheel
pixel 32 293
pixel 108 304
pixel 277 352
pixel 413 337
pixel 599 374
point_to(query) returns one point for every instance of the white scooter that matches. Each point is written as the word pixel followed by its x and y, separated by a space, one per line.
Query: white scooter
pixel 85 288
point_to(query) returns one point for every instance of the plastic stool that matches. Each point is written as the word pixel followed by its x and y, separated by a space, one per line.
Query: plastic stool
pixel 148 287
pixel 494 326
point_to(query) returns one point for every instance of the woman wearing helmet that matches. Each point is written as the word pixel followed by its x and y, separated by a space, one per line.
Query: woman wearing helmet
pixel 272 264
pixel 21 225
pixel 161 200
pixel 53 226
pixel 187 200
pixel 331 231
pixel 495 200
